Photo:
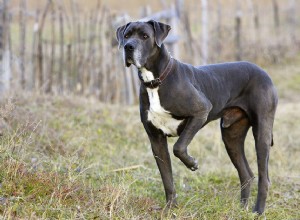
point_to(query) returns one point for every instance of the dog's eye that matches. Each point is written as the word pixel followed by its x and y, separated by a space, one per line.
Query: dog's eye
pixel 126 36
pixel 145 36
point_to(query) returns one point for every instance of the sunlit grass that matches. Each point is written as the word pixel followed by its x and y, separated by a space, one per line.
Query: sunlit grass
pixel 60 165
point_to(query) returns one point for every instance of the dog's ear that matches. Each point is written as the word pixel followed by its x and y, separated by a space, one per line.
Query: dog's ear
pixel 161 31
pixel 120 34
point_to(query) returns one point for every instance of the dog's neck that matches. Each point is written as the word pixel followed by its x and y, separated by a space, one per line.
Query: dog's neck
pixel 158 62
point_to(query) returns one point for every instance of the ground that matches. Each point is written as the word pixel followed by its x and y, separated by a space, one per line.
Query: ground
pixel 76 158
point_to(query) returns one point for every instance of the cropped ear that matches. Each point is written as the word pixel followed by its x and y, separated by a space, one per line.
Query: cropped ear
pixel 120 34
pixel 160 31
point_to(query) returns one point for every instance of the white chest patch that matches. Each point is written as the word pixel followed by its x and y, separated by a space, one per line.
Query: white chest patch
pixel 157 115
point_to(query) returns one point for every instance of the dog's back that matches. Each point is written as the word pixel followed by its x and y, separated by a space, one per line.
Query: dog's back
pixel 232 82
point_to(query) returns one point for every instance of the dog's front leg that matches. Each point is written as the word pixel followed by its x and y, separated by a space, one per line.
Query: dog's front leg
pixel 161 154
pixel 180 148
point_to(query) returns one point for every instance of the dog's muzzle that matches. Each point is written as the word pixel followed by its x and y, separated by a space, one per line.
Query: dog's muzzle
pixel 129 54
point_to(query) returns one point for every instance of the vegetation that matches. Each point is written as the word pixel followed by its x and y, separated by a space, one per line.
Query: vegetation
pixel 73 158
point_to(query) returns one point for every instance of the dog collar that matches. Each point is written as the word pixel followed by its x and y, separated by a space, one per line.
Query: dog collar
pixel 158 81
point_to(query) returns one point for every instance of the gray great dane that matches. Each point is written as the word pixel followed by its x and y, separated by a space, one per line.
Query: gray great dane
pixel 178 99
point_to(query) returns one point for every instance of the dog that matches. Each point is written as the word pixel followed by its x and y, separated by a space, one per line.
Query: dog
pixel 178 99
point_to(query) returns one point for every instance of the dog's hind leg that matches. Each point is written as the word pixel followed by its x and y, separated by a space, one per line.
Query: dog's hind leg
pixel 234 137
pixel 262 132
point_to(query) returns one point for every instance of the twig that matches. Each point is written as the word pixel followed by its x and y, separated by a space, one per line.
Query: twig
pixel 127 168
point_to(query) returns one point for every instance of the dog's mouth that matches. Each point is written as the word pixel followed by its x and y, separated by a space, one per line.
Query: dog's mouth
pixel 129 60
pixel 132 58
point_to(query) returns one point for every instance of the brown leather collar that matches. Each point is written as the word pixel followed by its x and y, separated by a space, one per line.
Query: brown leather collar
pixel 158 81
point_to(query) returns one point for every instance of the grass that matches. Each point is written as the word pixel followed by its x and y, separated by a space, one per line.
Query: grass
pixel 73 158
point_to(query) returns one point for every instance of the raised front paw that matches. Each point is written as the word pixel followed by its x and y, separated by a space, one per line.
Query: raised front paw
pixel 191 163
pixel 194 165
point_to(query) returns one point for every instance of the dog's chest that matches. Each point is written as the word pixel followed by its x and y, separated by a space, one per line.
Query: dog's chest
pixel 157 115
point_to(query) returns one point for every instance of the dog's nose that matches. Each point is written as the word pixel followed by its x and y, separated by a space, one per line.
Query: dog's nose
pixel 129 47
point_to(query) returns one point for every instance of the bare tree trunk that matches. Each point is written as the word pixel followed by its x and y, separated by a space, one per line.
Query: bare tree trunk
pixel 238 21
pixel 204 5
pixel 2 32
pixel 292 19
pixel 23 7
pixel 69 69
pixel 48 88
pixel 256 17
pixel 91 52
pixel 61 47
pixel 103 73
pixel 85 52
pixel 219 31
pixel 77 46
pixel 276 14
pixel 4 49
pixel 129 87
pixel 174 24
pixel 40 46
pixel 34 50
pixel 251 26
pixel 257 31
pixel 117 84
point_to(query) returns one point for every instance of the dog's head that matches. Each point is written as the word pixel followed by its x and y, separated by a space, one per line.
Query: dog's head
pixel 141 40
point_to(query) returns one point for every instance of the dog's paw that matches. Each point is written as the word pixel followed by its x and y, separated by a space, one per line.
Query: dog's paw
pixel 172 203
pixel 194 166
